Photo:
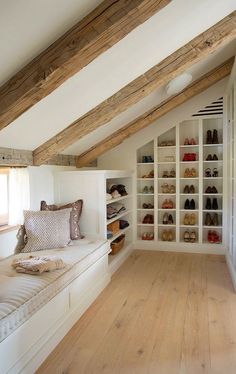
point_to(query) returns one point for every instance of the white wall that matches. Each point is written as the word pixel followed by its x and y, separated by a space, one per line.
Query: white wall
pixel 41 188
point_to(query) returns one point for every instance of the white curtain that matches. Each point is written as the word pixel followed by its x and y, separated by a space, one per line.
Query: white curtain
pixel 19 194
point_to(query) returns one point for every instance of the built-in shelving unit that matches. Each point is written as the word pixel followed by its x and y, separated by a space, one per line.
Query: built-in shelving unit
pixel 193 215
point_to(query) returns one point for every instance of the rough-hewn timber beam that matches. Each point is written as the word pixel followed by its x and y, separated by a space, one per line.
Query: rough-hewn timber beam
pixel 21 157
pixel 198 48
pixel 97 32
pixel 152 115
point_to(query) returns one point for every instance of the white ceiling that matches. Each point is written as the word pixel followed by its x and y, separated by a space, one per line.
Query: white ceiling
pixel 41 22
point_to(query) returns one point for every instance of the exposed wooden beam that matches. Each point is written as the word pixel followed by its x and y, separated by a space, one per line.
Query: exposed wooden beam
pixel 21 157
pixel 198 48
pixel 97 32
pixel 153 114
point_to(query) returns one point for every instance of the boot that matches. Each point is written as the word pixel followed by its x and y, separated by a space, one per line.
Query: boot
pixel 209 137
pixel 215 139
pixel 208 204
pixel 214 204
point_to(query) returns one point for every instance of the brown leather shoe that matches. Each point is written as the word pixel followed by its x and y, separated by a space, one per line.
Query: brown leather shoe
pixel 192 189
pixel 208 220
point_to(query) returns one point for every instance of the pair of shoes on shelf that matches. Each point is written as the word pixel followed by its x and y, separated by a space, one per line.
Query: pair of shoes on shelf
pixel 190 141
pixel 166 188
pixel 211 221
pixel 190 173
pixel 149 175
pixel 190 219
pixel 212 158
pixel 213 237
pixel 148 236
pixel 214 173
pixel 147 159
pixel 170 174
pixel 167 204
pixel 189 189
pixel 167 143
pixel 168 219
pixel 167 236
pixel 190 157
pixel 189 204
pixel 148 206
pixel 212 137
pixel 190 236
pixel 148 219
pixel 148 190
pixel 211 190
pixel 211 205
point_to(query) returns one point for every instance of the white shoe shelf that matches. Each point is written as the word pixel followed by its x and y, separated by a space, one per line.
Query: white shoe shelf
pixel 176 165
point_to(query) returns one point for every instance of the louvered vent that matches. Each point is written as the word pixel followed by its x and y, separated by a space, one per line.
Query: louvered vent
pixel 210 110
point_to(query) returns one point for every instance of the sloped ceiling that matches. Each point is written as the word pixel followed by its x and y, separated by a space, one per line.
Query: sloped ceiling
pixel 30 26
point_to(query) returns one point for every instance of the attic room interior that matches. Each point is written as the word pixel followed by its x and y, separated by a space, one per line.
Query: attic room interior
pixel 117 187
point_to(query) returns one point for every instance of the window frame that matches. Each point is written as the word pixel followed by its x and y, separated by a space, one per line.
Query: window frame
pixel 4 218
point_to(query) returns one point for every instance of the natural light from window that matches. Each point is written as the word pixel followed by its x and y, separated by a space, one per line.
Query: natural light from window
pixel 3 198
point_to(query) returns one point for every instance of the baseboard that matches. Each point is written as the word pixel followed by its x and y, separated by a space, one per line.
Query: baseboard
pixel 232 270
pixel 31 361
pixel 180 247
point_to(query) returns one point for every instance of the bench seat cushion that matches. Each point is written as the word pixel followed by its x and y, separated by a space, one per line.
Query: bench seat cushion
pixel 21 295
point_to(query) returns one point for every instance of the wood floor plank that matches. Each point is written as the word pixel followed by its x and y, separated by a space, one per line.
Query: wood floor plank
pixel 162 313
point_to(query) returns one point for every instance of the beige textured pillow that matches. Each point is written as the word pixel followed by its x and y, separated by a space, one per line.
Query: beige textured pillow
pixel 76 210
pixel 46 230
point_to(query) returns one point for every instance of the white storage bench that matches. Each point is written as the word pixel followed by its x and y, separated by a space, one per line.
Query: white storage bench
pixel 37 311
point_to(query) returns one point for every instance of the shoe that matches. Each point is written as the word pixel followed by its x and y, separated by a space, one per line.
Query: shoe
pixel 150 206
pixel 170 204
pixel 164 204
pixel 215 221
pixel 165 174
pixel 164 235
pixel 186 173
pixel 187 204
pixel 172 188
pixel 214 190
pixel 145 206
pixel 192 219
pixel 144 236
pixel 144 159
pixel 150 236
pixel 150 159
pixel 215 158
pixel 192 205
pixel 209 137
pixel 215 173
pixel 208 220
pixel 170 236
pixel 172 174
pixel 192 141
pixel 209 158
pixel 186 141
pixel 170 219
pixel 192 189
pixel 186 219
pixel 151 189
pixel 214 204
pixel 148 219
pixel 165 219
pixel 215 139
pixel 165 188
pixel 151 174
pixel 192 236
pixel 145 189
pixel 186 236
pixel 208 173
pixel 186 189
pixel 193 173
pixel 208 204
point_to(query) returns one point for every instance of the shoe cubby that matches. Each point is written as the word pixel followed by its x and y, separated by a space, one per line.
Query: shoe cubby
pixel 189 235
pixel 212 235
pixel 146 233
pixel 167 234
pixel 188 219
pixel 166 218
pixel 181 156
pixel 212 203
pixel 146 154
pixel 145 218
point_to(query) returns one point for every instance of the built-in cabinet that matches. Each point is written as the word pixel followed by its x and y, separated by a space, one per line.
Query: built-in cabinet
pixel 92 186
pixel 180 185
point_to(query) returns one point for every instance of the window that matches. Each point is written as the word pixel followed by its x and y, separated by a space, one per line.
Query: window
pixel 4 197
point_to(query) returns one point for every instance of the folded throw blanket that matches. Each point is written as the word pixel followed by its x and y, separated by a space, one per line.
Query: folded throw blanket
pixel 38 264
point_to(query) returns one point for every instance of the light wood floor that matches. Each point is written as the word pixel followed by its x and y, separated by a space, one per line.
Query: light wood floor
pixel 163 313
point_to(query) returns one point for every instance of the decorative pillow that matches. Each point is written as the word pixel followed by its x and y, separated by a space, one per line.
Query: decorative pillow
pixel 76 210
pixel 46 230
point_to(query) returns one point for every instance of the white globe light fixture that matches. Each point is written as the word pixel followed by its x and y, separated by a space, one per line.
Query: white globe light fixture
pixel 177 84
